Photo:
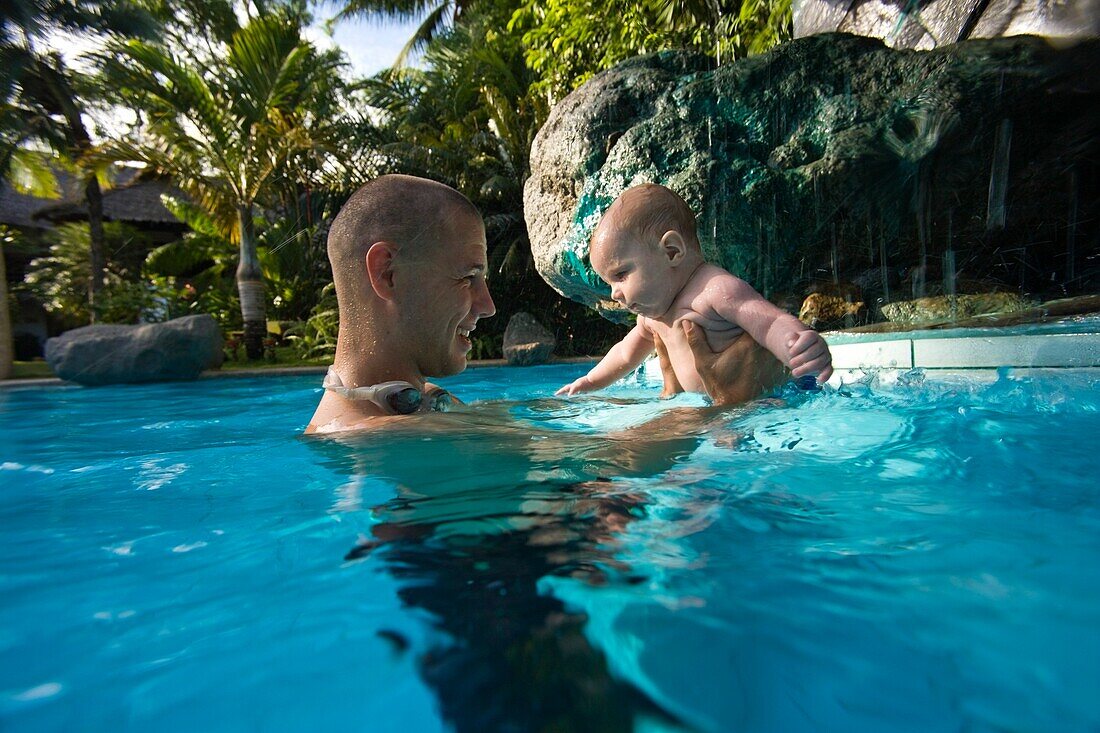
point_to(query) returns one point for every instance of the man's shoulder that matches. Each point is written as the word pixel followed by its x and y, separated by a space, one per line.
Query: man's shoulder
pixel 336 414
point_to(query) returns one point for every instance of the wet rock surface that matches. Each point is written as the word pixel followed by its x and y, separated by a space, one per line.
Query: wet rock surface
pixel 526 341
pixel 834 156
pixel 822 311
pixel 153 352
pixel 943 307
pixel 935 23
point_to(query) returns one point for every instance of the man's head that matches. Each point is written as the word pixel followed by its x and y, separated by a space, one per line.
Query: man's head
pixel 646 248
pixel 408 261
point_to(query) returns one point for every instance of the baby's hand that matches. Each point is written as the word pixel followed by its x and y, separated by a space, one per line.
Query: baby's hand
pixel 810 355
pixel 575 387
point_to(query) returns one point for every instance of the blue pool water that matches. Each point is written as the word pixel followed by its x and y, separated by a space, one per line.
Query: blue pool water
pixel 919 556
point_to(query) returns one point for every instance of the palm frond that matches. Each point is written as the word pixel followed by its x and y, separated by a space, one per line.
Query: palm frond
pixel 428 29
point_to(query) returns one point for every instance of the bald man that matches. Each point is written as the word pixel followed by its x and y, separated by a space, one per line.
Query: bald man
pixel 409 262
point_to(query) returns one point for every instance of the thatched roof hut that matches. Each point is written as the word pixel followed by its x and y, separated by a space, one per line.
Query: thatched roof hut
pixel 19 209
pixel 137 202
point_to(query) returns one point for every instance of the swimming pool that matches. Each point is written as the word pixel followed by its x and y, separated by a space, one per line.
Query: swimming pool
pixel 922 555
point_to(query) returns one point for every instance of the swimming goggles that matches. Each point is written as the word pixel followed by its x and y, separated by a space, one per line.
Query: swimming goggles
pixel 396 398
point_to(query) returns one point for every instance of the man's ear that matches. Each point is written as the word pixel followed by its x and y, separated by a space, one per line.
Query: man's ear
pixel 380 260
pixel 674 247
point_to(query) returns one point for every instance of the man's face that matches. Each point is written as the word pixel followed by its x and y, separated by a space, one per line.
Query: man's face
pixel 442 294
pixel 638 271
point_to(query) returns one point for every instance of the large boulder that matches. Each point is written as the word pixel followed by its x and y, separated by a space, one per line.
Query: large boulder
pixel 924 25
pixel 153 352
pixel 835 157
pixel 526 341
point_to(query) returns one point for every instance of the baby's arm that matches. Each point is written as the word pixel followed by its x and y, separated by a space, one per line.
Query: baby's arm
pixel 623 358
pixel 793 342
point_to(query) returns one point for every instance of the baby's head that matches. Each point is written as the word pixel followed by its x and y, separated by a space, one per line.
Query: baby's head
pixel 646 248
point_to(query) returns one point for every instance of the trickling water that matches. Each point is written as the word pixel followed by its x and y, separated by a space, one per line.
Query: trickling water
pixel 835 259
pixel 998 177
pixel 949 278
pixel 949 267
pixel 1071 227
pixel 882 265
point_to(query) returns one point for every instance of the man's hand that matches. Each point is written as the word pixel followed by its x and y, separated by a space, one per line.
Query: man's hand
pixel 810 355
pixel 742 372
pixel 671 384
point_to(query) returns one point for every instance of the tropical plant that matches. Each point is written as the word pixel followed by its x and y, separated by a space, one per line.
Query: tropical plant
pixel 6 348
pixel 567 41
pixel 226 132
pixel 200 263
pixel 59 280
pixel 316 337
pixel 43 99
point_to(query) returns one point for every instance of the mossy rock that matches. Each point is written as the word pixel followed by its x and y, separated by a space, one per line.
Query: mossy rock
pixel 835 156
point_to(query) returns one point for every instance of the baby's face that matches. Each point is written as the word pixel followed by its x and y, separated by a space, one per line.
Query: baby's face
pixel 638 270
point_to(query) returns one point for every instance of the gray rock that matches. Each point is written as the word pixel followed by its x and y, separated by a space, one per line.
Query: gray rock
pixel 526 341
pixel 954 307
pixel 833 155
pixel 153 352
pixel 935 23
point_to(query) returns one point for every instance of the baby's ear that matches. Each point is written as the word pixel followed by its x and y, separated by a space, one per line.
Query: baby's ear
pixel 673 245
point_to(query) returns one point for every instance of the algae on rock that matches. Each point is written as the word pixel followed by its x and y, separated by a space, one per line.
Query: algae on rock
pixel 834 159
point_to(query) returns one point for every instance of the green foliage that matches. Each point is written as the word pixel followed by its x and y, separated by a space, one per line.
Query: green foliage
pixel 60 280
pixel 225 132
pixel 469 116
pixel 567 41
pixel 230 125
pixel 200 264
pixel 316 337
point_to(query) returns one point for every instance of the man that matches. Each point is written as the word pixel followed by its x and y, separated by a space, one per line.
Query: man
pixel 409 262
pixel 483 514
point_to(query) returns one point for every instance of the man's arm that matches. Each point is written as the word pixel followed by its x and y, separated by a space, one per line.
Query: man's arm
pixel 791 341
pixel 623 358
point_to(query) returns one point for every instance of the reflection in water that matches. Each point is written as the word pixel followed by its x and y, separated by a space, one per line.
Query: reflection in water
pixel 516 660
pixel 470 544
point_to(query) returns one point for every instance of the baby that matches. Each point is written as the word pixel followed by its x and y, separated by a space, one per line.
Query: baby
pixel 646 249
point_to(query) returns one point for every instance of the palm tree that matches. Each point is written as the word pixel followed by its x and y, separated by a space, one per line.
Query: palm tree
pixel 437 15
pixel 44 100
pixel 225 131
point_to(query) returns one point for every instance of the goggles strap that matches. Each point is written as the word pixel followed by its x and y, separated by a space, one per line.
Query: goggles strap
pixel 380 394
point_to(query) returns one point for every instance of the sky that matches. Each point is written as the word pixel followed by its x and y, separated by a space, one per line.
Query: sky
pixel 370 45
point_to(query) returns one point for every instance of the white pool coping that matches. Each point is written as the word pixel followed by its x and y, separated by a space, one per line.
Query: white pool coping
pixel 889 355
pixel 1068 350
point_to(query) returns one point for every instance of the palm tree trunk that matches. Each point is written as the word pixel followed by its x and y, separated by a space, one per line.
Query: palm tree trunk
pixel 5 322
pixel 80 142
pixel 98 257
pixel 250 287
